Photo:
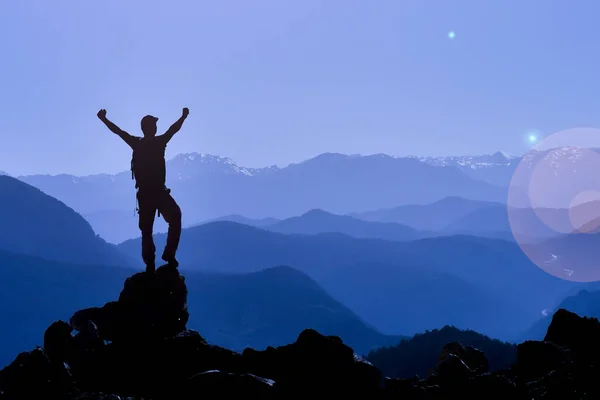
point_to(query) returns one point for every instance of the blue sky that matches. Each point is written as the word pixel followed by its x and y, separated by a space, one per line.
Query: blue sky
pixel 273 82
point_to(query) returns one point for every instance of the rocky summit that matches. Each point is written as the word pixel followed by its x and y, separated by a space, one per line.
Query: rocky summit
pixel 138 347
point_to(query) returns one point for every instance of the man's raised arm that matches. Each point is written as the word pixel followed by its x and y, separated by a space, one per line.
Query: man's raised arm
pixel 115 129
pixel 173 129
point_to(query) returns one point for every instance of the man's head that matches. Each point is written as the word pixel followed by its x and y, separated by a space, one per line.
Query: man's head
pixel 149 126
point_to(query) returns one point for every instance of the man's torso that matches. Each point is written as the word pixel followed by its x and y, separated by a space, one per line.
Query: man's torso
pixel 148 163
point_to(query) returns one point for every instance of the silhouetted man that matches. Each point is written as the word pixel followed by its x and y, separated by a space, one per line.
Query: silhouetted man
pixel 148 168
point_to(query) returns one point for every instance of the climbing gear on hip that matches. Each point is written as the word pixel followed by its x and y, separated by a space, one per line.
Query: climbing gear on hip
pixel 154 195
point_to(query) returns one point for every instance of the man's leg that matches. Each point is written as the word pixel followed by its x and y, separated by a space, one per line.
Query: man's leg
pixel 172 214
pixel 147 211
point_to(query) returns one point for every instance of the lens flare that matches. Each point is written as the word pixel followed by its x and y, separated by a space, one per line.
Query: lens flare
pixel 554 204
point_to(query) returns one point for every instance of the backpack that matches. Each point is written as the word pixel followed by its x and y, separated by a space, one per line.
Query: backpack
pixel 148 167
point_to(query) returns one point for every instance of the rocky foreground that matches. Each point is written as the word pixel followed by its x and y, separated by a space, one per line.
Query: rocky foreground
pixel 139 348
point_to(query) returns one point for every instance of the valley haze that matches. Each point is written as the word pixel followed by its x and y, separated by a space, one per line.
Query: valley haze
pixel 435 249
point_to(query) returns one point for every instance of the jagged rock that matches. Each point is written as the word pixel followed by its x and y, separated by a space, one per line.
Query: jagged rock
pixel 315 364
pixel 33 376
pixel 470 356
pixel 536 359
pixel 575 359
pixel 151 306
pixel 138 348
pixel 183 356
pixel 96 322
pixel 146 369
pixel 558 384
pixel 58 342
pixel 457 365
pixel 452 371
pixel 578 334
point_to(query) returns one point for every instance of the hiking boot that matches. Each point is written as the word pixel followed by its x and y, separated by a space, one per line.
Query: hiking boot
pixel 170 259
pixel 149 259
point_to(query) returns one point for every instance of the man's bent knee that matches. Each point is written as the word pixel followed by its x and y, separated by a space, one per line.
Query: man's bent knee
pixel 172 215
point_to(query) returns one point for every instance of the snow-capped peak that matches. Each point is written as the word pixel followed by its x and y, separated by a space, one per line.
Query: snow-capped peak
pixel 201 157
pixel 499 158
pixel 192 163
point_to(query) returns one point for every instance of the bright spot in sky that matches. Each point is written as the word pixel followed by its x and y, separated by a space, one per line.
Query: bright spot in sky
pixel 532 138
pixel 451 34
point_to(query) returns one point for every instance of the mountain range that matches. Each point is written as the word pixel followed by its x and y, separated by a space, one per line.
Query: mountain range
pixel 390 257
pixel 434 216
pixel 442 218
pixel 270 308
pixel 53 264
pixel 585 303
pixel 495 267
pixel 208 187
pixel 32 222
pixel 240 219
pixel 424 351
pixel 397 298
pixel 496 168
pixel 319 221
pixel 400 276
